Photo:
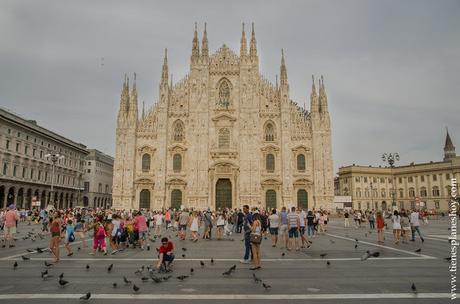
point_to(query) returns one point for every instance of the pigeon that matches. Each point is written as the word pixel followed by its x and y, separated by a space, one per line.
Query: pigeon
pixel 227 273
pixel 87 267
pixel 376 254
pixel 323 255
pixel 61 276
pixel 127 282
pixel 256 279
pixel 413 288
pixel 356 240
pixel 233 268
pixel 366 255
pixel 39 250
pixel 46 276
pixel 192 270
pixel 63 282
pixel 135 288
pixel 144 279
pixel 183 255
pixel 155 278
pixel 109 269
pixel 418 250
pixel 138 272
pixel 202 263
pixel 114 285
pixel 266 286
pixel 212 261
pixel 166 278
pixel 184 249
pixel 48 264
pixel 15 265
pixel 328 264
pixel 78 248
pixel 283 254
pixel 356 246
pixel 182 277
pixel 30 250
pixel 158 250
pixel 86 296
pixel 44 273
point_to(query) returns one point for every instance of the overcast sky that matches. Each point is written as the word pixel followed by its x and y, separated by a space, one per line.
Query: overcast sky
pixel 391 68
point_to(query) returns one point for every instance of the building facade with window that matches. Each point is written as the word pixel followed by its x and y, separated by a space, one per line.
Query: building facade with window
pixel 26 172
pixel 97 180
pixel 374 187
pixel 222 137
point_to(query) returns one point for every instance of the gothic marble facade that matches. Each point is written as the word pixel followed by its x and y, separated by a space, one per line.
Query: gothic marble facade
pixel 223 136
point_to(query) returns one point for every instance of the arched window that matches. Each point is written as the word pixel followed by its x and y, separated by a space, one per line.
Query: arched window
pixel 302 199
pixel 178 131
pixel 224 138
pixel 423 192
pixel 270 199
pixel 144 199
pixel 411 192
pixel 435 191
pixel 146 162
pixel 224 94
pixel 270 163
pixel 301 162
pixel 176 199
pixel 269 132
pixel 177 162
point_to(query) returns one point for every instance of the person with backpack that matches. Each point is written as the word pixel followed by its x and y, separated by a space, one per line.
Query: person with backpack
pixel 69 236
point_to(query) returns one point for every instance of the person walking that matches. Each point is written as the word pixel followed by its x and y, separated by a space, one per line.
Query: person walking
pixel 396 219
pixel 415 225
pixel 140 221
pixel 69 236
pixel 194 226
pixel 380 228
pixel 371 219
pixel 346 219
pixel 405 226
pixel 247 224
pixel 55 230
pixel 10 225
pixel 256 240
pixel 310 224
pixel 283 230
pixel 273 224
pixel 293 228
pixel 183 221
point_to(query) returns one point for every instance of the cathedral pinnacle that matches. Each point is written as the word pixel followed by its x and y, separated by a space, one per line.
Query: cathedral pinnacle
pixel 313 97
pixel 164 72
pixel 253 46
pixel 283 71
pixel 204 44
pixel 243 47
pixel 195 46
pixel 322 96
pixel 449 148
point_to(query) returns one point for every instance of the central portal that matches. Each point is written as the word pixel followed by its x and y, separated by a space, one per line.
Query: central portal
pixel 223 193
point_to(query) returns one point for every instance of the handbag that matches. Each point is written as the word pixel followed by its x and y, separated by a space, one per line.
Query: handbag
pixel 255 238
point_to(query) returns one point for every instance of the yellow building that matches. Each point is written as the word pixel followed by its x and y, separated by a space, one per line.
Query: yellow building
pixel 374 187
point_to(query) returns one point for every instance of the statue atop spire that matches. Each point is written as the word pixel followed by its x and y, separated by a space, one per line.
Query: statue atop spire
pixel 164 71
pixel 195 46
pixel 243 47
pixel 283 70
pixel 204 45
pixel 253 46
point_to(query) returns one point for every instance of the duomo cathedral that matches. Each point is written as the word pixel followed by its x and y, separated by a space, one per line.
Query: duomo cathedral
pixel 222 137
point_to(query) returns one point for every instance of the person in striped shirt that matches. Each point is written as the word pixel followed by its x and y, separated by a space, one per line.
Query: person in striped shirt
pixel 293 228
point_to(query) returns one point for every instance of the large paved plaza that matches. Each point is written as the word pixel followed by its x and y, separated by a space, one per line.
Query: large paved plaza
pixel 296 277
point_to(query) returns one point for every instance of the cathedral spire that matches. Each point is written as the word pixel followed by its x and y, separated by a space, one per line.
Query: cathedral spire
pixel 243 47
pixel 283 71
pixel 164 72
pixel 204 45
pixel 322 96
pixel 133 100
pixel 253 46
pixel 143 109
pixel 195 46
pixel 449 148
pixel 124 102
pixel 313 97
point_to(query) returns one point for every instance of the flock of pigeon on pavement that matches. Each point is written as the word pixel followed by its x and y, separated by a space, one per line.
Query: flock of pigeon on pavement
pixel 151 273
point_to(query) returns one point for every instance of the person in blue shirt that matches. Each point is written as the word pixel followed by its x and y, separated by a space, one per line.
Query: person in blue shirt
pixel 69 236
pixel 247 222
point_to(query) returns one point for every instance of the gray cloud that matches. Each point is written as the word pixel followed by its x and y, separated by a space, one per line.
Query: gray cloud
pixel 391 67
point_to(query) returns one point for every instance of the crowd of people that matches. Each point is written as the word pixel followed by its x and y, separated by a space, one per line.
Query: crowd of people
pixel 113 231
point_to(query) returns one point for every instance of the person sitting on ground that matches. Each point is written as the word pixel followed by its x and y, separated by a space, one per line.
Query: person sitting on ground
pixel 166 255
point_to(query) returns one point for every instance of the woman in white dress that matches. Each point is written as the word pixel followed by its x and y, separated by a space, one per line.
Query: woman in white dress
pixel 396 219
pixel 194 226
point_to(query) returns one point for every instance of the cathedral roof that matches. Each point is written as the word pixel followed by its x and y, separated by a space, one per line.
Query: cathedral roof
pixel 448 143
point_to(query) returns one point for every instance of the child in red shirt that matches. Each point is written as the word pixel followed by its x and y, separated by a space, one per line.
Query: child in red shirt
pixel 165 252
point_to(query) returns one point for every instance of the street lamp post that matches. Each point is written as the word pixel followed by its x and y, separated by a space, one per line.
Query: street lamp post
pixel 372 197
pixel 54 159
pixel 391 158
